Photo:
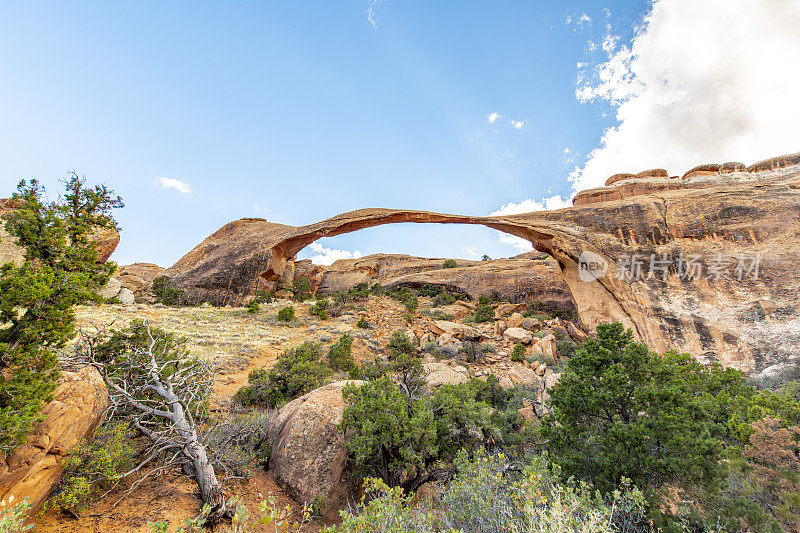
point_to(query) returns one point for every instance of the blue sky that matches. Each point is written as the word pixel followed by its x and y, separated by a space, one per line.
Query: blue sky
pixel 297 111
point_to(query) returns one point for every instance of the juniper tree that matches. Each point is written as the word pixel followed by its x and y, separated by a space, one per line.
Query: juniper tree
pixel 60 270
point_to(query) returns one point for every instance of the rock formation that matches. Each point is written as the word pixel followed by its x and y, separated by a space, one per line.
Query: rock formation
pixel 524 278
pixel 227 265
pixel 33 468
pixel 308 455
pixel 721 219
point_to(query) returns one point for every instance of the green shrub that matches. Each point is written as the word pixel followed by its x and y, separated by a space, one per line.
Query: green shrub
pixel 253 307
pixel 443 298
pixel 384 509
pixel 362 323
pixel 405 438
pixel 483 313
pixel 320 308
pixel 567 347
pixel 286 314
pixel 297 371
pixel 360 291
pixel 301 289
pixel 92 467
pixel 167 294
pixel 449 263
pixel 485 497
pixel 620 410
pixel 405 296
pixel 14 515
pixel 401 344
pixel 429 290
pixel 264 297
pixel 340 354
pixel 483 299
pixel 441 315
pixel 377 289
pixel 469 352
pixel 518 353
pixel 487 347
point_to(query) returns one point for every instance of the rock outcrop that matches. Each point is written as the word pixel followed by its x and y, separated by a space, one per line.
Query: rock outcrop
pixel 226 266
pixel 33 468
pixel 745 317
pixel 308 455
pixel 524 278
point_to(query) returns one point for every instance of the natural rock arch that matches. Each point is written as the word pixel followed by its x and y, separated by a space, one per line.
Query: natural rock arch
pixel 595 303
pixel 751 324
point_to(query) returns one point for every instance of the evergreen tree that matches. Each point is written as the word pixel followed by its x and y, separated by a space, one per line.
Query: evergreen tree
pixel 60 270
pixel 620 410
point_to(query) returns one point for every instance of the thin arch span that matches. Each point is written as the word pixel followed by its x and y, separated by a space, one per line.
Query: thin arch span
pixel 595 302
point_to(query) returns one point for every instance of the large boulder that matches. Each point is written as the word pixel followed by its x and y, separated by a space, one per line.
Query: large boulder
pixel 31 470
pixel 518 335
pixel 110 289
pixel 308 454
pixel 438 374
pixel 459 331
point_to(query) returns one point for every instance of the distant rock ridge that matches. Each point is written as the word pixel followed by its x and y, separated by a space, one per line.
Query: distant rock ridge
pixel 652 181
pixel 524 278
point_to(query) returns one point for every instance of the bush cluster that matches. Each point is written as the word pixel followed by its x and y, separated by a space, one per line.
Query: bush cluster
pixel 297 371
pixel 340 354
pixel 92 466
pixel 518 353
pixel 301 289
pixel 320 308
pixel 483 312
pixel 286 314
pixel 167 294
pixel 449 263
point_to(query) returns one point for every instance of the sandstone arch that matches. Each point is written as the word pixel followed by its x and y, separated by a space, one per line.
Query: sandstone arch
pixel 749 323
pixel 594 301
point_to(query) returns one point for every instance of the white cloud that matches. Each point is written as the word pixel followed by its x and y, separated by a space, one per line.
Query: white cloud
pixel 519 124
pixel 372 4
pixel 701 82
pixel 470 251
pixel 566 150
pixel 577 21
pixel 527 206
pixel 171 183
pixel 326 256
pixel 492 117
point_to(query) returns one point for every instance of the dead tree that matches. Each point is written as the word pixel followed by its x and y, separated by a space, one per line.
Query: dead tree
pixel 162 393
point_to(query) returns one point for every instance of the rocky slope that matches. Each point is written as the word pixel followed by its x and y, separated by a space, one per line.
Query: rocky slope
pixel 227 265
